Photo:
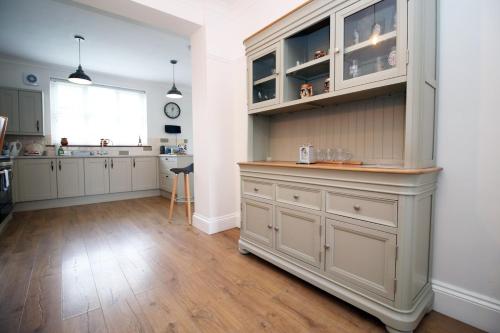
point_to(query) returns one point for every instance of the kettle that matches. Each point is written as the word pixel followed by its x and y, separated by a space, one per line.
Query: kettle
pixel 15 148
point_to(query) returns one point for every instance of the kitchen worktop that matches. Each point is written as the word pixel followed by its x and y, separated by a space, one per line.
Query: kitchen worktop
pixel 75 156
pixel 344 167
pixel 175 155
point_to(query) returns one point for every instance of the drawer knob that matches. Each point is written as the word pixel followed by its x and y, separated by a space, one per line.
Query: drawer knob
pixel 269 226
pixel 327 247
pixel 295 196
pixel 276 228
pixel 357 208
pixel 256 189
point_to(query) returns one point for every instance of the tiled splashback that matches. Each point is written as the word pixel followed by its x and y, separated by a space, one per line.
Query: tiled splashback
pixel 152 148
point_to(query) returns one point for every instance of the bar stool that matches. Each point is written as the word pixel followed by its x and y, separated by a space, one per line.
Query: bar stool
pixel 187 190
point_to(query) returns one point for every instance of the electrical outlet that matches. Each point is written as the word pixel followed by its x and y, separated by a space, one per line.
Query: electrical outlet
pixel 185 140
pixel 163 140
pixel 123 152
pixel 147 148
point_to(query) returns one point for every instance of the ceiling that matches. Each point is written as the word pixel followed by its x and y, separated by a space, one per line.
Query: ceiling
pixel 43 30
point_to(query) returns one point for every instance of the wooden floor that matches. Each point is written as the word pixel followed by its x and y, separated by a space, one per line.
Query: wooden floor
pixel 120 267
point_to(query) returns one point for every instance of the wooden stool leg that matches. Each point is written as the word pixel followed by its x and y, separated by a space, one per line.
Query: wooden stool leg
pixel 172 199
pixel 188 197
pixel 185 196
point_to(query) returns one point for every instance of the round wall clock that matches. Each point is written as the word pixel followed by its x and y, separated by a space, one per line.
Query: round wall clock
pixel 172 110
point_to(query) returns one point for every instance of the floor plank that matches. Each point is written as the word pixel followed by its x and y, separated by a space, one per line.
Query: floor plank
pixel 121 267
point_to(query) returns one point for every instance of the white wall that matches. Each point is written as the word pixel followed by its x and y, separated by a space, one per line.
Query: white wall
pixel 466 261
pixel 11 73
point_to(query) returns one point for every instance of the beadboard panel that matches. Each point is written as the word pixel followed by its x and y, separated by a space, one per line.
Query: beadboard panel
pixel 373 130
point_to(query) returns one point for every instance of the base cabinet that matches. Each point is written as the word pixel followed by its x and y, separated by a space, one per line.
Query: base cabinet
pixel 144 173
pixel 298 234
pixel 120 175
pixel 70 178
pixel 258 222
pixel 361 256
pixel 96 176
pixel 36 179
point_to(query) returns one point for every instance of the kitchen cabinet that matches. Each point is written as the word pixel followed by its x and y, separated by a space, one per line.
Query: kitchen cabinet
pixel 257 221
pixel 96 176
pixel 298 234
pixel 36 179
pixel 167 177
pixel 70 177
pixel 264 80
pixel 9 107
pixel 120 174
pixel 363 257
pixel 144 173
pixel 370 42
pixel 24 108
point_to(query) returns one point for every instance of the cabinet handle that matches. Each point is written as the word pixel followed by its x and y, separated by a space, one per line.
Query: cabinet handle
pixel 357 208
pixel 134 162
pixel 105 164
pixel 327 247
pixel 112 165
pixel 38 125
pixel 269 226
pixel 256 189
pixel 52 165
pixel 60 165
pixel 276 228
pixel 295 196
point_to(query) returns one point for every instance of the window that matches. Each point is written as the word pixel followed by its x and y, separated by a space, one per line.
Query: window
pixel 86 114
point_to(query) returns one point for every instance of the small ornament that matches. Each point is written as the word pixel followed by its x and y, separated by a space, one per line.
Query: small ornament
pixel 353 69
pixel 64 141
pixel 356 36
pixel 376 29
pixel 306 90
pixel 326 85
pixel 319 54
pixel 140 141
pixel 392 58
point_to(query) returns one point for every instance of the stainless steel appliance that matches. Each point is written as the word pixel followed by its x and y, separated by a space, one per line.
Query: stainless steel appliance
pixel 6 204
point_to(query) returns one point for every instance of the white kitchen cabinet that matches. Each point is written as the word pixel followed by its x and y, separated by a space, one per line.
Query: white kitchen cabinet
pixel 36 179
pixel 70 177
pixel 9 107
pixel 144 173
pixel 30 112
pixel 96 176
pixel 257 221
pixel 120 174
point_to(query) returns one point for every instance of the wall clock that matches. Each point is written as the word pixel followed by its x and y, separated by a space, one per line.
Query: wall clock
pixel 172 110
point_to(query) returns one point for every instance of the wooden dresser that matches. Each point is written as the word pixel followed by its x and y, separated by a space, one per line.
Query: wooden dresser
pixel 360 232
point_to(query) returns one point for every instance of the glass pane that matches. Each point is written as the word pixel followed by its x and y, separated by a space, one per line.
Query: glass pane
pixel 264 79
pixel 370 40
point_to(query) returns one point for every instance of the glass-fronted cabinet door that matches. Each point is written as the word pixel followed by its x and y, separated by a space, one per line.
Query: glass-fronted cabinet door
pixel 263 77
pixel 370 42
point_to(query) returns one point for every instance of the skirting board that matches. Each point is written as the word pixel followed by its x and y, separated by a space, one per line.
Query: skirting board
pixel 474 309
pixel 90 199
pixel 212 225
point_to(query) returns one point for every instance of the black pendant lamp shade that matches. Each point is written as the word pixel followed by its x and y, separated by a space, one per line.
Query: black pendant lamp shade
pixel 79 77
pixel 174 92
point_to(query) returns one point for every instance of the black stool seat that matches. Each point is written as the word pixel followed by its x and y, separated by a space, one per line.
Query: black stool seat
pixel 185 170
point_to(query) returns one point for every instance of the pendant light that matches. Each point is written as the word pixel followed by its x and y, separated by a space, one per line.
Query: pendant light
pixel 79 77
pixel 174 92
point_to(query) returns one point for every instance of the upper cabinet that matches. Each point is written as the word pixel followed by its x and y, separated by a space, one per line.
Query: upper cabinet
pixel 340 49
pixel 24 109
pixel 370 44
pixel 263 73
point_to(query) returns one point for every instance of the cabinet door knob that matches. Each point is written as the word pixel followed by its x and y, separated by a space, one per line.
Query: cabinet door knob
pixel 256 189
pixel 337 50
pixel 134 162
pixel 327 247
pixel 112 165
pixel 295 196
pixel 52 165
pixel 105 164
pixel 269 226
pixel 38 125
pixel 357 207
pixel 276 228
pixel 60 167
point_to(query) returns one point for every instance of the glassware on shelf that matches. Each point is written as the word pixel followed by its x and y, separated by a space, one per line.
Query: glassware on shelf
pixel 353 69
pixel 342 155
pixel 326 85
pixel 392 57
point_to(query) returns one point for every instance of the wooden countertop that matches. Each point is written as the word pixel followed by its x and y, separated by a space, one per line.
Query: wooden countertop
pixel 344 167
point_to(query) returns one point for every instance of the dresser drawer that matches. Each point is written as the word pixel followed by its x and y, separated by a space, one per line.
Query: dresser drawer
pixel 258 188
pixel 299 196
pixel 373 208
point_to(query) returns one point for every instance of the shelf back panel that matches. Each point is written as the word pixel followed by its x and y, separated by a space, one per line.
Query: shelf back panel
pixel 373 130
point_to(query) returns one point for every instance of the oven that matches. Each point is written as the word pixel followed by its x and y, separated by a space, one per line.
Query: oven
pixel 6 204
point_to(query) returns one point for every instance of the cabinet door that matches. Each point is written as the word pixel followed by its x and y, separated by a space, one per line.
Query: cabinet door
pixel 120 175
pixel 30 112
pixel 263 77
pixel 70 177
pixel 9 107
pixel 36 179
pixel 298 234
pixel 144 173
pixel 370 42
pixel 363 257
pixel 96 176
pixel 257 222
